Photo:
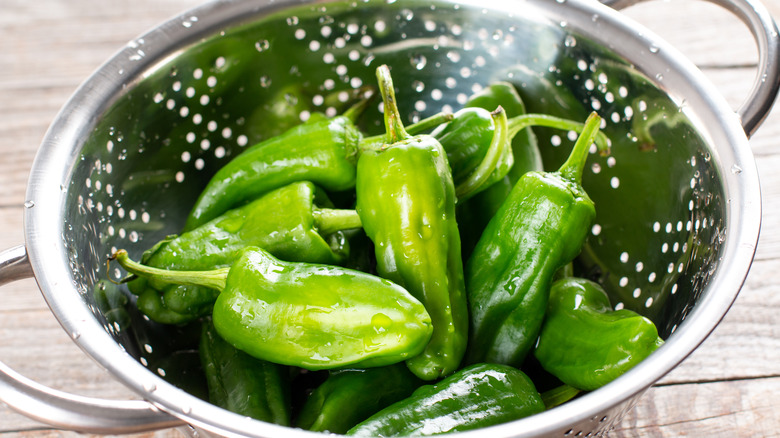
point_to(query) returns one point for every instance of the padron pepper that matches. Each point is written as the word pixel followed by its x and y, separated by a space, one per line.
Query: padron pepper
pixel 477 149
pixel 293 223
pixel 481 145
pixel 321 151
pixel 406 203
pixel 584 342
pixel 242 384
pixel 474 213
pixel 538 229
pixel 477 396
pixel 312 316
pixel 349 396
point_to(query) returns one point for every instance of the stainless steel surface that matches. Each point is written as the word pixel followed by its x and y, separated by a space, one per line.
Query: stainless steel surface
pixel 14 265
pixel 63 410
pixel 81 414
pixel 89 188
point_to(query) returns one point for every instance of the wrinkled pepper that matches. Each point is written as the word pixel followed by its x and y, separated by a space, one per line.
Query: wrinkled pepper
pixel 474 214
pixel 584 342
pixel 321 151
pixel 477 149
pixel 474 134
pixel 478 396
pixel 291 222
pixel 349 396
pixel 242 384
pixel 406 202
pixel 540 227
pixel 312 316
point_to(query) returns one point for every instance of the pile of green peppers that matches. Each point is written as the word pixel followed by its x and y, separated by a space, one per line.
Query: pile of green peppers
pixel 418 308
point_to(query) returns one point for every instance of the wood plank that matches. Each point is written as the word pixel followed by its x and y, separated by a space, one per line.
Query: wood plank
pixel 50 47
pixel 746 344
pixel 744 408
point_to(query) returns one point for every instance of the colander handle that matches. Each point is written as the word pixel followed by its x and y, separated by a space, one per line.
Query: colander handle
pixel 762 96
pixel 63 410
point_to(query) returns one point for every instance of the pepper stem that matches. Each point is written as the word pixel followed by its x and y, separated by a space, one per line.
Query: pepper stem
pixel 214 279
pixel 375 142
pixel 498 146
pixel 330 220
pixel 518 123
pixel 575 164
pixel 393 124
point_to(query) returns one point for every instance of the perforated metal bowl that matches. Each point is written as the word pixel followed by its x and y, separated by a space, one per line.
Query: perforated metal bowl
pixel 678 200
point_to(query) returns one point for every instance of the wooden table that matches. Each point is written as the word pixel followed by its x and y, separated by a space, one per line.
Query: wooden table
pixel 729 386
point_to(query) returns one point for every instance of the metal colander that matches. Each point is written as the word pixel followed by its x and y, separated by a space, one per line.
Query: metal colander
pixel 678 202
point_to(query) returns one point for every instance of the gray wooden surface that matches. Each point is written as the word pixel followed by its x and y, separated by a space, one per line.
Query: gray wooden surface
pixel 728 387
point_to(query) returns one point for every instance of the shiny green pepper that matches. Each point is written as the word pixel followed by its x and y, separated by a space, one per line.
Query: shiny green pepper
pixel 474 213
pixel 539 228
pixel 477 149
pixel 481 146
pixel 406 202
pixel 312 316
pixel 242 384
pixel 321 151
pixel 478 396
pixel 349 396
pixel 288 222
pixel 584 342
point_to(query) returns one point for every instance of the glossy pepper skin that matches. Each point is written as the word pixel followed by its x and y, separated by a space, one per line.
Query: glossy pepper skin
pixel 584 342
pixel 469 140
pixel 321 151
pixel 474 213
pixel 290 222
pixel 242 384
pixel 307 315
pixel 406 202
pixel 349 396
pixel 478 396
pixel 539 228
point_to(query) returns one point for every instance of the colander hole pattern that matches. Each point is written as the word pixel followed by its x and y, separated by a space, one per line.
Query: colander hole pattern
pixel 659 227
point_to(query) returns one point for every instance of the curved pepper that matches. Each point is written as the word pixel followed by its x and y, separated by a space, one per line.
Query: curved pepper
pixel 242 384
pixel 311 316
pixel 478 396
pixel 469 140
pixel 584 342
pixel 474 213
pixel 321 151
pixel 406 202
pixel 287 222
pixel 539 228
pixel 348 397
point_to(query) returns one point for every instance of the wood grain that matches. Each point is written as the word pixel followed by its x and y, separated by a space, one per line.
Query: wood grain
pixel 727 387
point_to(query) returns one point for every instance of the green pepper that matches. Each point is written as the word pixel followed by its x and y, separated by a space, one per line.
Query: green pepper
pixel 112 304
pixel 538 229
pixel 406 202
pixel 307 315
pixel 478 396
pixel 287 222
pixel 350 396
pixel 242 384
pixel 321 151
pixel 470 139
pixel 474 213
pixel 584 342
pixel 475 133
